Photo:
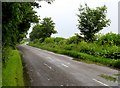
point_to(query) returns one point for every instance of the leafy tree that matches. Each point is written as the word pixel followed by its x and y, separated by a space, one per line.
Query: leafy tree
pixel 16 20
pixel 91 21
pixel 17 23
pixel 43 30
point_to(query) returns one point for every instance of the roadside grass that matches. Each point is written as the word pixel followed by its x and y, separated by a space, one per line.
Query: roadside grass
pixel 116 74
pixel 107 77
pixel 0 74
pixel 82 56
pixel 13 71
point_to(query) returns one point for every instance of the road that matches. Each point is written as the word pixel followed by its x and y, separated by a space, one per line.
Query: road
pixel 46 68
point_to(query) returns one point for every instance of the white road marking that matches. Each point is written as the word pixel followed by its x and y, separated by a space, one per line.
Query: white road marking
pixel 50 58
pixel 48 66
pixel 65 65
pixel 48 79
pixel 100 82
pixel 68 63
pixel 61 85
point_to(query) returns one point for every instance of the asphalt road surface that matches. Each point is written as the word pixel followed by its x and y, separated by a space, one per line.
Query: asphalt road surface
pixel 46 68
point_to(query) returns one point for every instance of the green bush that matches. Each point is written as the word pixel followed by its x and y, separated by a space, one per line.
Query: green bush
pixel 109 39
pixel 69 47
pixel 83 56
pixel 58 39
pixel 53 40
pixel 94 48
pixel 74 40
pixel 103 50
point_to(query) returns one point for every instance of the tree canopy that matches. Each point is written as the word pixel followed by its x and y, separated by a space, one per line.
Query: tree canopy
pixel 16 20
pixel 43 30
pixel 91 21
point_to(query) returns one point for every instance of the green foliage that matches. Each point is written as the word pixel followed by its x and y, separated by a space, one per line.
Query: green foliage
pixel 91 21
pixel 89 51
pixel 43 30
pixel 53 40
pixel 80 56
pixel 17 17
pixel 109 39
pixel 97 50
pixel 69 47
pixel 13 70
pixel 107 77
pixel 49 40
pixel 74 40
pixel 16 21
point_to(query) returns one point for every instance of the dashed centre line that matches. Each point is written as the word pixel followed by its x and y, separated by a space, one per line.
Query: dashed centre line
pixel 68 63
pixel 47 66
pixel 50 58
pixel 65 65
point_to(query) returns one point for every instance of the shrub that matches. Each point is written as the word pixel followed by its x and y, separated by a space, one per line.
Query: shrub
pixel 74 40
pixel 49 40
pixel 69 47
pixel 58 39
pixel 109 39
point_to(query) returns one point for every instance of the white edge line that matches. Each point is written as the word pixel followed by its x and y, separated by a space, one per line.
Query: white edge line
pixel 100 82
pixel 65 65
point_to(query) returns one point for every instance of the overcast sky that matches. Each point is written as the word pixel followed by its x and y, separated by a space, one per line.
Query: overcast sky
pixel 63 13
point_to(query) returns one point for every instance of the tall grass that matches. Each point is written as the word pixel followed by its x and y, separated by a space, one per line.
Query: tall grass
pixel 13 70
pixel 0 74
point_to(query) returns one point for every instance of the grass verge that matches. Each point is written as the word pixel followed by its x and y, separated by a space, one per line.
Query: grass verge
pixel 13 70
pixel 83 56
pixel 116 74
pixel 107 77
pixel 0 74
